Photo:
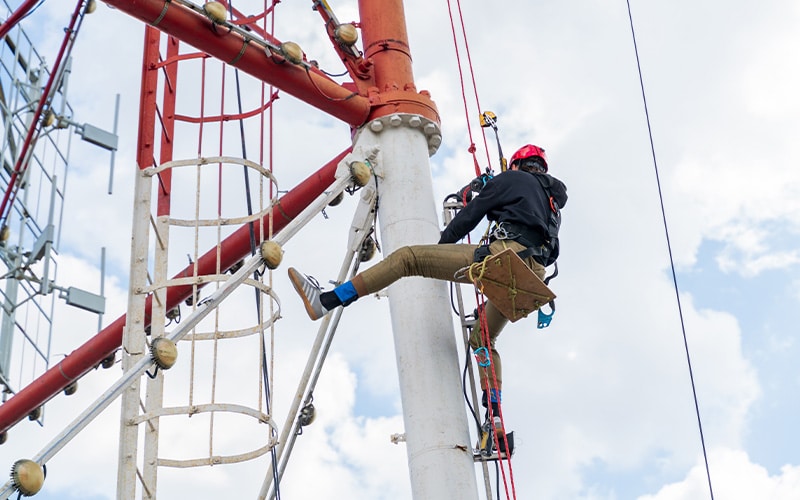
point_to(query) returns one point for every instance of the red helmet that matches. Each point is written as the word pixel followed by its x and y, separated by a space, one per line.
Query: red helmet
pixel 528 151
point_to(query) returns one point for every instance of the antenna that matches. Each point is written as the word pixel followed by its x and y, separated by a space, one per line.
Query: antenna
pixel 29 238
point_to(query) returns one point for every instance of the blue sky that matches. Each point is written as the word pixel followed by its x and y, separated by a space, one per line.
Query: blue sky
pixel 601 401
pixel 763 303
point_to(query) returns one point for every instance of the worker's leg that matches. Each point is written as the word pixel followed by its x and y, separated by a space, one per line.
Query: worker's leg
pixel 430 261
pixel 495 322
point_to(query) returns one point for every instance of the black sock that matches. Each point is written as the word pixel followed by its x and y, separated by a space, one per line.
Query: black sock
pixel 495 409
pixel 329 300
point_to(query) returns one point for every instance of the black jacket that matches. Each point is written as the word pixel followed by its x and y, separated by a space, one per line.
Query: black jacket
pixel 513 196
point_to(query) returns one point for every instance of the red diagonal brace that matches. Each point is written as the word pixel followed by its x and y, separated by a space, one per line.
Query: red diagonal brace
pixel 231 250
pixel 23 10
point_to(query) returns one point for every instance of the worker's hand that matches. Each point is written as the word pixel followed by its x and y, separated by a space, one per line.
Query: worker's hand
pixel 480 181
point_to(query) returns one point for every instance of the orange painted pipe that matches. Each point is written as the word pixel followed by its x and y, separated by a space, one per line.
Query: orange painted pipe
pixel 310 86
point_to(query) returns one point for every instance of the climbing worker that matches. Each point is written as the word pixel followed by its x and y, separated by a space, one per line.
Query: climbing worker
pixel 524 203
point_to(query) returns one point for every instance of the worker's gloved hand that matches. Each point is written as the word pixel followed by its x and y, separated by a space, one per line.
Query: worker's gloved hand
pixel 465 194
pixel 480 181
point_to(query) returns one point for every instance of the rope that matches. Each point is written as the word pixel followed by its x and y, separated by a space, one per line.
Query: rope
pixel 669 249
pixel 472 77
pixel 269 12
pixel 471 148
pixel 477 266
pixel 266 381
pixel 215 363
pixel 479 295
pixel 200 133
pixel 480 268
pixel 459 276
pixel 486 340
pixel 513 291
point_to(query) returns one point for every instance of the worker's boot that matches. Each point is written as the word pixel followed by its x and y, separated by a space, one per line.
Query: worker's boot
pixel 310 292
pixel 496 397
pixel 496 422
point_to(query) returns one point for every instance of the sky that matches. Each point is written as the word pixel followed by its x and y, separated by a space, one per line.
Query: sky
pixel 601 402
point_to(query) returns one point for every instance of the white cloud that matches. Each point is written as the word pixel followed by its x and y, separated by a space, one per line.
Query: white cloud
pixel 607 383
pixel 732 178
pixel 733 477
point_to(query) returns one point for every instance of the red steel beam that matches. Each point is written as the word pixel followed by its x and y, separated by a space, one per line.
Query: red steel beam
pixel 16 16
pixel 385 46
pixel 310 86
pixel 231 250
pixel 36 126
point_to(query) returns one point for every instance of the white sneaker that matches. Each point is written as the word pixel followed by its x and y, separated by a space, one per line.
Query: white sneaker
pixel 309 291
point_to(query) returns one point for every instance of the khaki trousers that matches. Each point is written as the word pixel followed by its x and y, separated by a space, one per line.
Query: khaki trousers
pixel 443 262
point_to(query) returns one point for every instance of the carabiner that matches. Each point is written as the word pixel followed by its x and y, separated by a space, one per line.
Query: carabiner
pixel 487 360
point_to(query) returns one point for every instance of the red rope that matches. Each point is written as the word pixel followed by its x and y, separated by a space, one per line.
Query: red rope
pixel 472 77
pixel 486 338
pixel 479 296
pixel 471 148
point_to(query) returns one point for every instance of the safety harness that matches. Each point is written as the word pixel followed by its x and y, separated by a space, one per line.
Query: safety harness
pixel 543 248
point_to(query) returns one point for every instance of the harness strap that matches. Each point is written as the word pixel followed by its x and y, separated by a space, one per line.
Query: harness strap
pixel 522 234
pixel 529 252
